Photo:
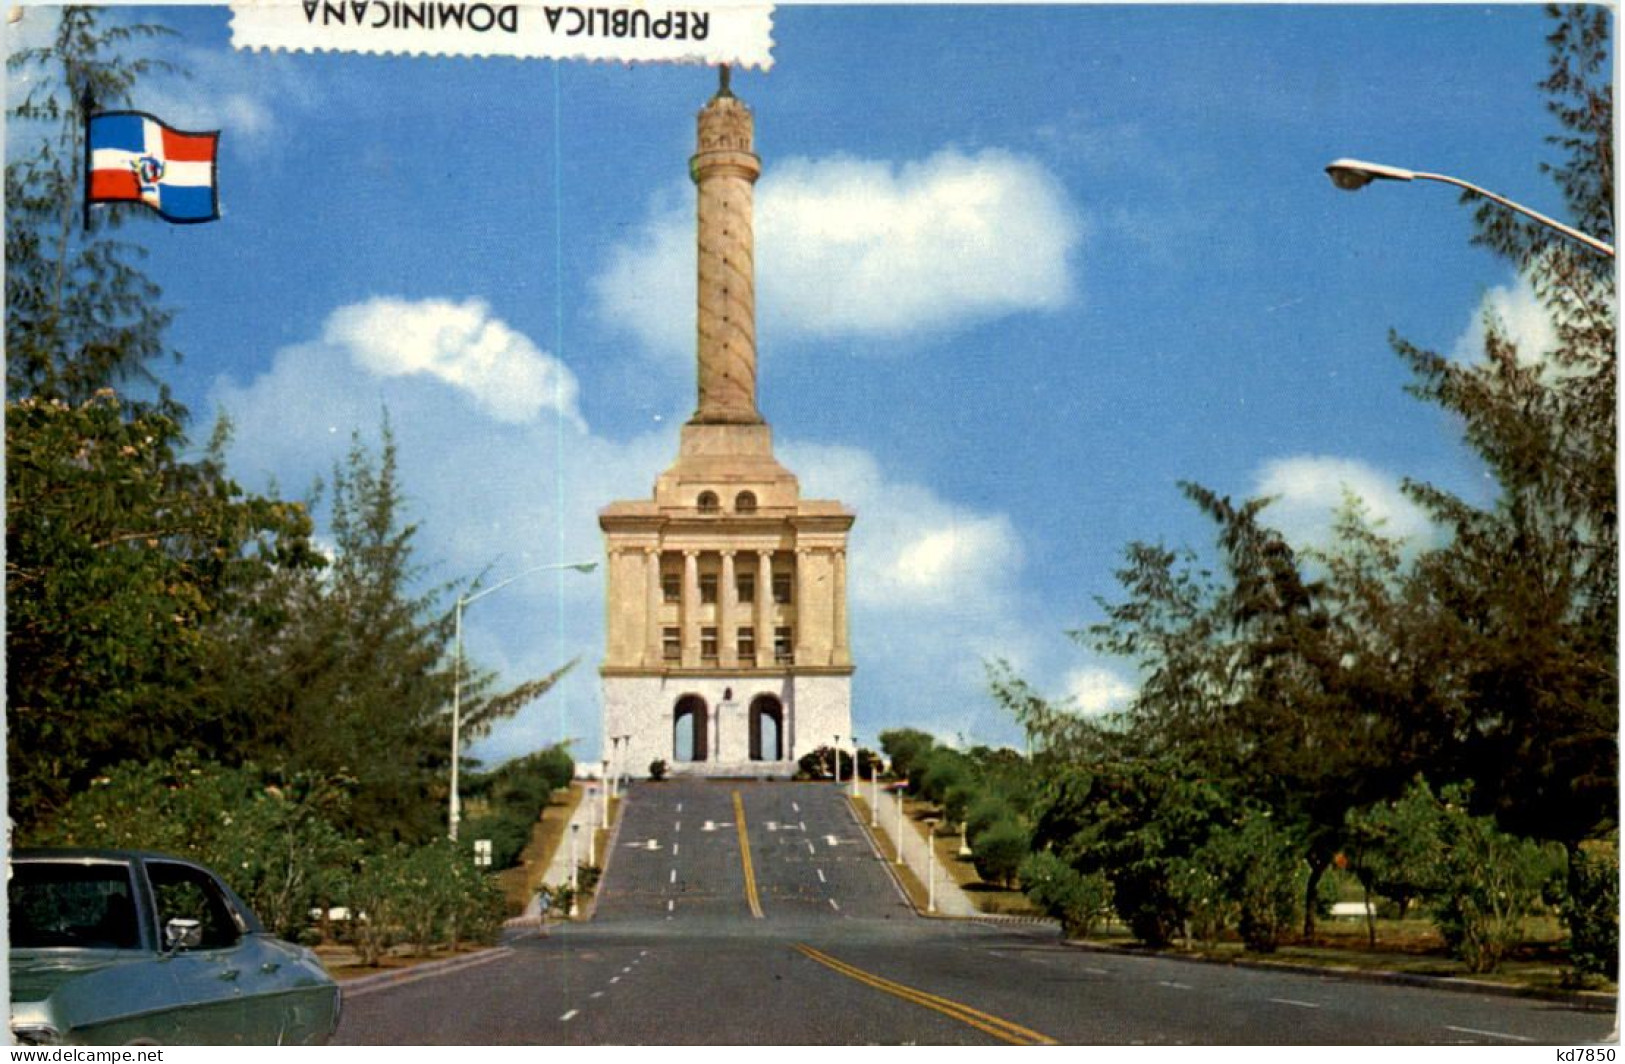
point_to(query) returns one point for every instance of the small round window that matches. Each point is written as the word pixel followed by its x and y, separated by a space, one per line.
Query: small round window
pixel 708 503
pixel 745 503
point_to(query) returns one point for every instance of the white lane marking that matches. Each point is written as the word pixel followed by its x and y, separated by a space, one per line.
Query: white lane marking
pixel 568 1016
pixel 802 824
pixel 1174 986
pixel 627 970
pixel 643 953
pixel 677 826
pixel 674 849
pixel 709 825
pixel 810 848
pixel 596 994
pixel 794 806
pixel 674 875
pixel 671 904
pixel 1095 971
pixel 833 905
pixel 821 878
pixel 614 979
pixel 831 840
pixel 1296 1004
pixel 652 845
pixel 1488 1034
pixel 679 807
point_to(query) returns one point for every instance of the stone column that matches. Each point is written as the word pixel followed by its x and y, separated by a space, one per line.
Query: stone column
pixel 725 170
pixel 691 609
pixel 764 609
pixel 727 642
pixel 653 645
pixel 842 655
pixel 804 607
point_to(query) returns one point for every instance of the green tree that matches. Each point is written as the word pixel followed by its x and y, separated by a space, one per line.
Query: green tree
pixel 122 556
pixel 906 748
pixel 1525 595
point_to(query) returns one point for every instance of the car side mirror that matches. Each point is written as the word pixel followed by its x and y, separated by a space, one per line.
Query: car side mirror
pixel 181 933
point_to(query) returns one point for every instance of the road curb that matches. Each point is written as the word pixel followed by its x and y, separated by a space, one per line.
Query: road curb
pixel 1587 1000
pixel 368 983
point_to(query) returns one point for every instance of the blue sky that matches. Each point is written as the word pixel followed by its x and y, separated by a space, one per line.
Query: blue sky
pixel 1020 271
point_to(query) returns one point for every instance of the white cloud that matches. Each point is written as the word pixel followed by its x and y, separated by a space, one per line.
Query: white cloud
pixel 855 247
pixel 1518 315
pixel 460 344
pixel 1096 690
pixel 1309 490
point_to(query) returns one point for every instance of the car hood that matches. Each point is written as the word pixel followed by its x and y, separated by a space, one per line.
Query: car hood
pixel 35 974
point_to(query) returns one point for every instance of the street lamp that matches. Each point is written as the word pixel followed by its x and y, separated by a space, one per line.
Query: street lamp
pixel 898 794
pixel 1351 175
pixel 614 760
pixel 604 809
pixel 854 766
pixel 874 794
pixel 455 813
pixel 930 865
pixel 574 878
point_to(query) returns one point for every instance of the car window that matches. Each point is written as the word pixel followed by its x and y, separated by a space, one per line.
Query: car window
pixel 189 893
pixel 69 905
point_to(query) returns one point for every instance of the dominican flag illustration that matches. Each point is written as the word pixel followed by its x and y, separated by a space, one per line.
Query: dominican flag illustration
pixel 132 157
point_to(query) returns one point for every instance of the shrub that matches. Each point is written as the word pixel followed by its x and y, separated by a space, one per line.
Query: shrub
pixel 658 769
pixel 1490 881
pixel 1592 911
pixel 275 843
pixel 1202 893
pixel 1262 875
pixel 999 852
pixel 1075 899
pixel 983 812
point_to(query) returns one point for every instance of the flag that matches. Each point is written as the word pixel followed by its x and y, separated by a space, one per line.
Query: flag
pixel 131 157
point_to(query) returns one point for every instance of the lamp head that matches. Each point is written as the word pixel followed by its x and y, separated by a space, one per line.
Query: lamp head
pixel 1350 175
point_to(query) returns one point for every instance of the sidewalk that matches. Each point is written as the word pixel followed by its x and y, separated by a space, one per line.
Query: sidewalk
pixel 951 900
pixel 585 819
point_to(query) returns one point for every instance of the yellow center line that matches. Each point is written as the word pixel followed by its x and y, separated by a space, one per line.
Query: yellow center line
pixel 744 858
pixel 1001 1029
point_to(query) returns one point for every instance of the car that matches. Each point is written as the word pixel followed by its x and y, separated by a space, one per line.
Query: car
pixel 112 947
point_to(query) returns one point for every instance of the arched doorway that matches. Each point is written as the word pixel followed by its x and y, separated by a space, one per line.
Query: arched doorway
pixel 689 737
pixel 766 729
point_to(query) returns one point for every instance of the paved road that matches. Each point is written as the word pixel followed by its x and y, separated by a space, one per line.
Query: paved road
pixel 678 954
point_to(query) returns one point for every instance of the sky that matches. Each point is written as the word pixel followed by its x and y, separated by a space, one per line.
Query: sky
pixel 1020 272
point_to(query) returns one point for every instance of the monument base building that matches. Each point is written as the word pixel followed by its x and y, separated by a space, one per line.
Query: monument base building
pixel 727 645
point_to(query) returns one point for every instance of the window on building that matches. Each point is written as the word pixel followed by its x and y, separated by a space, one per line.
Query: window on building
pixel 708 644
pixel 747 645
pixel 671 644
pixel 745 503
pixel 671 587
pixel 745 583
pixel 708 587
pixel 781 588
pixel 708 503
pixel 783 648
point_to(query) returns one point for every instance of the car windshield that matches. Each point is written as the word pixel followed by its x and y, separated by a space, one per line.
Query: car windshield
pixel 62 904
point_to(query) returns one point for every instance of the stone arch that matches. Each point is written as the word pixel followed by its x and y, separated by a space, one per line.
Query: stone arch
pixel 698 721
pixel 764 710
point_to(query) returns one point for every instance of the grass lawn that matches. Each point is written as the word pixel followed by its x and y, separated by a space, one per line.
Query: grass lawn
pixel 520 882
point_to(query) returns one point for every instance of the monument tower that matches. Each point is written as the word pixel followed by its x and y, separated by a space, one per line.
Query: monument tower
pixel 726 632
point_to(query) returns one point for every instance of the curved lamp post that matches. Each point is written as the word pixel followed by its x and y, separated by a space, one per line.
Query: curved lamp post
pixel 455 813
pixel 1351 175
